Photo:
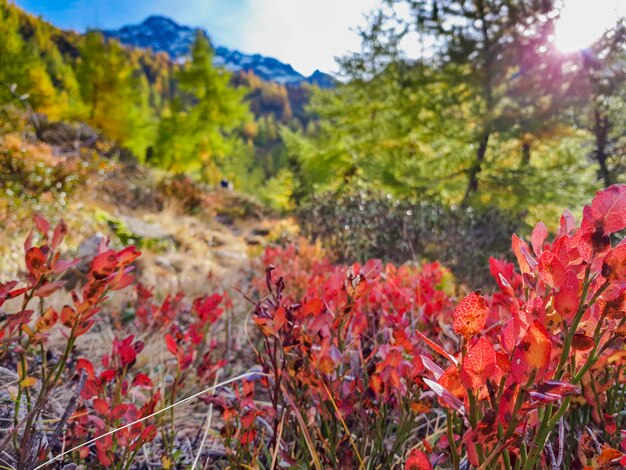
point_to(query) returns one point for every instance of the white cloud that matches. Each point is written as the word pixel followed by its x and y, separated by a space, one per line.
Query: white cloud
pixel 306 34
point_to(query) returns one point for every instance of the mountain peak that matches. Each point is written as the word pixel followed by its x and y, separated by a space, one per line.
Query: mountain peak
pixel 162 34
pixel 159 20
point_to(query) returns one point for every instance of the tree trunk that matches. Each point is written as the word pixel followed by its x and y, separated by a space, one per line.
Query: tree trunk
pixel 525 154
pixel 601 130
pixel 472 174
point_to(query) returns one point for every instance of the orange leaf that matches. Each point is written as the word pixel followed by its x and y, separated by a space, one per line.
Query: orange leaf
pixel 524 259
pixel 326 365
pixel 28 382
pixel 609 454
pixel 47 320
pixel 533 352
pixel 280 318
pixel 470 315
pixel 68 316
pixel 478 364
pixel 436 347
pixel 312 307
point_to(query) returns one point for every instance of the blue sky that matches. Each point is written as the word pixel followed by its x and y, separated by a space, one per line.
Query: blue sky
pixel 307 34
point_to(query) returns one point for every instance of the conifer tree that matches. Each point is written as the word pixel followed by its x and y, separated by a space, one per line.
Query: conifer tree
pixel 200 132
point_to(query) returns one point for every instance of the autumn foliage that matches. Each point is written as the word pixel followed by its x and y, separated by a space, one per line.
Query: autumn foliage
pixel 360 366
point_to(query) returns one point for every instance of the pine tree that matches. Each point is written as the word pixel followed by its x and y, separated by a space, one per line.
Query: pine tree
pixel 115 93
pixel 201 131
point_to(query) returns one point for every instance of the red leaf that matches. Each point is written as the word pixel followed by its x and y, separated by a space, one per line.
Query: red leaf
pixel 84 364
pixel 49 288
pixel 104 265
pixel 614 264
pixel 42 225
pixel 507 404
pixel 582 342
pixel 551 271
pixel 436 347
pixel 149 433
pixel 567 223
pixel 478 364
pixel 119 411
pixel 59 234
pixel 470 315
pixel 533 352
pixel 566 300
pixel 538 238
pixel 610 425
pixel 171 344
pixel 63 265
pixel 101 406
pixel 142 380
pixel 35 261
pixel 128 255
pixel 607 212
pixel 417 460
pixel 103 458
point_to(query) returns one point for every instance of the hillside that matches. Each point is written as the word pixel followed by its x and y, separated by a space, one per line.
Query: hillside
pixel 134 96
pixel 186 230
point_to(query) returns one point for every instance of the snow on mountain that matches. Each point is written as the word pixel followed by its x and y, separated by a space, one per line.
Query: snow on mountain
pixel 165 35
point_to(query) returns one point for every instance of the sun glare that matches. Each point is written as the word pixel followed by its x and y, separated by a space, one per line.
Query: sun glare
pixel 581 22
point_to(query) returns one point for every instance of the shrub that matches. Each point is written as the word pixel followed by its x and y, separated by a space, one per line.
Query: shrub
pixel 360 225
pixel 364 366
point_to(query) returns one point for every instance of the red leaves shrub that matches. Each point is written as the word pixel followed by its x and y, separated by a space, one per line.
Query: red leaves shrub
pixel 343 344
pixel 354 365
pixel 551 330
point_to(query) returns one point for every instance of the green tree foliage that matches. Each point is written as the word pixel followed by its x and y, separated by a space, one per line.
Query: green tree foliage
pixel 479 118
pixel 600 76
pixel 115 95
pixel 15 62
pixel 200 131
